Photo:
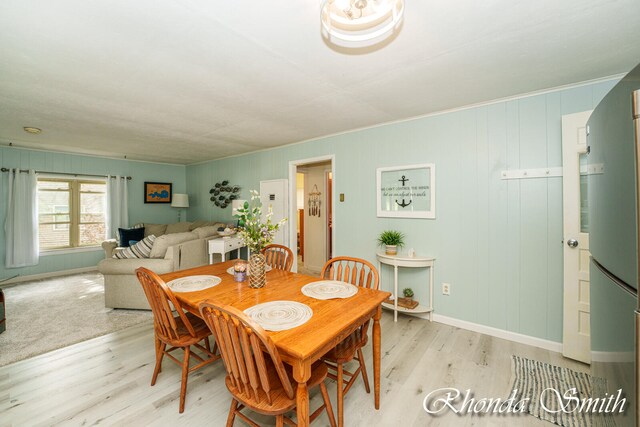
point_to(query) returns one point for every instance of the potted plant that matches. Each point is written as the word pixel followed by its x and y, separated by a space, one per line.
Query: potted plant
pixel 392 240
pixel 408 293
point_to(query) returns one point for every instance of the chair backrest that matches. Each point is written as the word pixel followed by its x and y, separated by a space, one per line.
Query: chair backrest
pixel 278 257
pixel 160 299
pixel 356 271
pixel 243 346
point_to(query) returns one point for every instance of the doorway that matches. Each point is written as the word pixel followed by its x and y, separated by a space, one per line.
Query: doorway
pixel 311 231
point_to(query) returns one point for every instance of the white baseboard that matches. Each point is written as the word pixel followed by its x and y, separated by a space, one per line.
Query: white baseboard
pixel 613 357
pixel 40 276
pixel 500 333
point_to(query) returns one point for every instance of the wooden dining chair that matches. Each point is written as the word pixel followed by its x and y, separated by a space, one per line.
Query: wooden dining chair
pixel 362 273
pixel 256 377
pixel 179 331
pixel 278 257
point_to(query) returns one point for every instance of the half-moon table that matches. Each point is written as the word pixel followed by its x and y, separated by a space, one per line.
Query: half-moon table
pixel 411 262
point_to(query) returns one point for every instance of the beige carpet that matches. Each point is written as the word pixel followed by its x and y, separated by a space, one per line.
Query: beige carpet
pixel 49 314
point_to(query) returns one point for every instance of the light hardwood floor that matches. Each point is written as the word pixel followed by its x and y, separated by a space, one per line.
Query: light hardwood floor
pixel 106 381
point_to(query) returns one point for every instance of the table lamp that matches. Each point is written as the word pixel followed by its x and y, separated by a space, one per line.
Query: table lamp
pixel 180 201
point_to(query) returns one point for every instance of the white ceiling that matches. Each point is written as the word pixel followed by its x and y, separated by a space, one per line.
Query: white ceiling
pixel 184 81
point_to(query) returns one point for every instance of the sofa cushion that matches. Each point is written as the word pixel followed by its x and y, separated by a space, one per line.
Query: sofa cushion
pixel 178 227
pixel 200 223
pixel 142 249
pixel 127 234
pixel 162 243
pixel 128 266
pixel 155 229
pixel 204 232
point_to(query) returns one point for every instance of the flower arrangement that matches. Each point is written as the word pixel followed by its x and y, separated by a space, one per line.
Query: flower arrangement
pixel 255 233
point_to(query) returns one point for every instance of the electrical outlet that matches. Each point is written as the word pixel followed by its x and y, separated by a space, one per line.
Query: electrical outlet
pixel 446 289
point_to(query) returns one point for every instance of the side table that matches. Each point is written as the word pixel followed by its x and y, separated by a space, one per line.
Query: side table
pixel 411 262
pixel 223 245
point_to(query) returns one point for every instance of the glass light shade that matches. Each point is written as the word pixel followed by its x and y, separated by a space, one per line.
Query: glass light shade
pixel 360 21
pixel 235 204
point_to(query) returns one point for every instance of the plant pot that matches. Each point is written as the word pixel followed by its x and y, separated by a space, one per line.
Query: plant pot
pixel 391 249
pixel 257 271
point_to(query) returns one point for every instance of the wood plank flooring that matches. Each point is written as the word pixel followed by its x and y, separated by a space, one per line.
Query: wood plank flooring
pixel 105 381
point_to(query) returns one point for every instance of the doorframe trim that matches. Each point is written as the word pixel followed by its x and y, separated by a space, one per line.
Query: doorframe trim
pixel 293 207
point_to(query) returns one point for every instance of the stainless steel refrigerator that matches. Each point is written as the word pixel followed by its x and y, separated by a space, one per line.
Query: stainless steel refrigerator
pixel 613 138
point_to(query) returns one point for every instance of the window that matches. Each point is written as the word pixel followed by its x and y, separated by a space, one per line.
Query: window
pixel 71 213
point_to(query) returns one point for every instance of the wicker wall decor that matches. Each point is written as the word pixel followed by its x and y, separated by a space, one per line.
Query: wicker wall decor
pixel 223 193
pixel 315 202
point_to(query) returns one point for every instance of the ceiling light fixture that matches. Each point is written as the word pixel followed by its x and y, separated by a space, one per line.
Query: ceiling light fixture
pixel 355 23
pixel 32 130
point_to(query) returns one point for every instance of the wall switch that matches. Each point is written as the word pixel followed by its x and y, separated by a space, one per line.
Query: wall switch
pixel 342 197
pixel 446 289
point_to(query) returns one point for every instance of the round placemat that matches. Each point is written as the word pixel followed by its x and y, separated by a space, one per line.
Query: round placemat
pixel 329 289
pixel 280 315
pixel 266 268
pixel 193 283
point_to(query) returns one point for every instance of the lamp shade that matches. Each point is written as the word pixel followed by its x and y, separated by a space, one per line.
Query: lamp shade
pixel 235 205
pixel 180 200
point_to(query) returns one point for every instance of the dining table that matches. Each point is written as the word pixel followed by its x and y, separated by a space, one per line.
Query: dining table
pixel 332 320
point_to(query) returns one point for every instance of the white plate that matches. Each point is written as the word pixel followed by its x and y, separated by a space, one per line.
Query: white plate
pixel 329 289
pixel 193 283
pixel 280 315
pixel 266 267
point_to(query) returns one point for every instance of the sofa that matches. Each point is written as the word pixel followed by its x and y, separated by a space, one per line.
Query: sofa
pixel 177 247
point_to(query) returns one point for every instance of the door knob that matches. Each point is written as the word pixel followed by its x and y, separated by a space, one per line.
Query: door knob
pixel 572 243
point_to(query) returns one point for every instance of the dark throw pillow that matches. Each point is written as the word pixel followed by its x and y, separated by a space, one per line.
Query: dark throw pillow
pixel 128 234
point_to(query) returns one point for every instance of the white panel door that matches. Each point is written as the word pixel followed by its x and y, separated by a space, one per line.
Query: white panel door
pixel 576 342
pixel 274 194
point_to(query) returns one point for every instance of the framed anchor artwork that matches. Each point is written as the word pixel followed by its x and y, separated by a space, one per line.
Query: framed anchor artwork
pixel 407 191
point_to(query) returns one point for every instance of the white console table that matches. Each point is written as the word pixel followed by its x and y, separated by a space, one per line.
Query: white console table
pixel 411 262
pixel 224 245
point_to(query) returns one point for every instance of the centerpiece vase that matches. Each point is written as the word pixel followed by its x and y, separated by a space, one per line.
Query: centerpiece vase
pixel 258 272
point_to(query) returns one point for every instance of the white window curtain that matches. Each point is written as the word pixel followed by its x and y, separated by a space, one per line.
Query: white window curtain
pixel 21 224
pixel 117 209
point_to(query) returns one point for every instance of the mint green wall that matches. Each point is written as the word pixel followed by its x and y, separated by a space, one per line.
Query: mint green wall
pixel 498 243
pixel 70 163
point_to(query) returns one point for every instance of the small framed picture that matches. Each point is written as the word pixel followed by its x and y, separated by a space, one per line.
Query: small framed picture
pixel 157 192
pixel 407 191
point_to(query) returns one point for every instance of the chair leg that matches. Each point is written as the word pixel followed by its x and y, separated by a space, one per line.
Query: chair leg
pixel 340 396
pixel 207 344
pixel 160 346
pixel 280 420
pixel 232 413
pixel 185 375
pixel 365 377
pixel 327 404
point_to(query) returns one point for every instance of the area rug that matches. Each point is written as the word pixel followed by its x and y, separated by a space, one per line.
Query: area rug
pixel 49 314
pixel 534 380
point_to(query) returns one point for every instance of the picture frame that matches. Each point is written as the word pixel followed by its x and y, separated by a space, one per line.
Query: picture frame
pixel 157 192
pixel 406 191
